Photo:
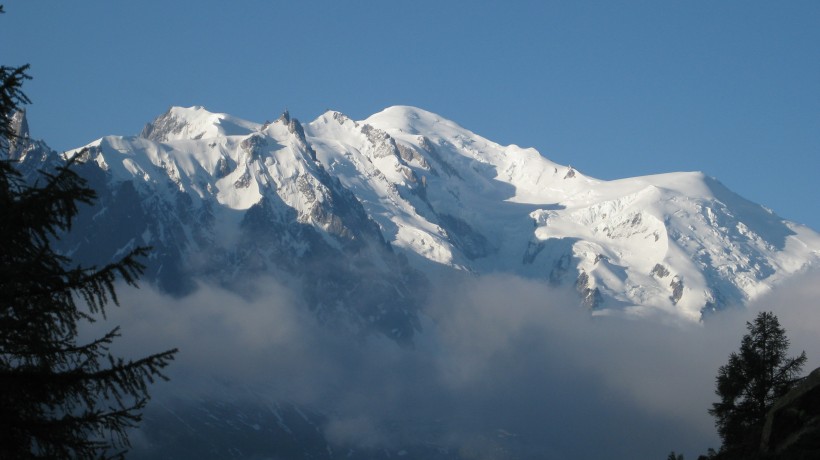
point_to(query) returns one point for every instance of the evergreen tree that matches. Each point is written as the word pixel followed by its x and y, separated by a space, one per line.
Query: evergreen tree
pixel 11 96
pixel 749 384
pixel 59 398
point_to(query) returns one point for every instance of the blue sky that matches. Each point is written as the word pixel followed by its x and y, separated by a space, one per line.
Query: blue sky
pixel 615 89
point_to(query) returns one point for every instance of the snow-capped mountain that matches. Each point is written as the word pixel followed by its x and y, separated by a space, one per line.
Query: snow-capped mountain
pixel 679 242
pixel 357 212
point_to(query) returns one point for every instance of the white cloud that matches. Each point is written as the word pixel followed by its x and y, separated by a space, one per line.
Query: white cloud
pixel 502 361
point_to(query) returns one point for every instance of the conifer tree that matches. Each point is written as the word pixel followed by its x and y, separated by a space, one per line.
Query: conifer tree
pixel 59 397
pixel 750 383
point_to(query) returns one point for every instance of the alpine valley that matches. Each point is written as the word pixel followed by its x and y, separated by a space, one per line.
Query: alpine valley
pixel 361 217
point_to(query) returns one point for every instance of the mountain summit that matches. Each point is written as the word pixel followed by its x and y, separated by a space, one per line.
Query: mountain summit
pixel 358 212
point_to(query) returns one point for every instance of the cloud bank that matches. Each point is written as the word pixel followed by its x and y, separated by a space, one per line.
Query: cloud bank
pixel 504 368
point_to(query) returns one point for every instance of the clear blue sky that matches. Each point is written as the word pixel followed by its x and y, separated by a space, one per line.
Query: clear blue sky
pixel 616 89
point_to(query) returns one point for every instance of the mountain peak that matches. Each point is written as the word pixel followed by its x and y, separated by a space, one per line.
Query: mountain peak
pixel 19 124
pixel 196 122
pixel 19 133
pixel 408 119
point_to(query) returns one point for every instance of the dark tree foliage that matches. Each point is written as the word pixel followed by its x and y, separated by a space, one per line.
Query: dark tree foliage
pixel 11 79
pixel 59 398
pixel 750 383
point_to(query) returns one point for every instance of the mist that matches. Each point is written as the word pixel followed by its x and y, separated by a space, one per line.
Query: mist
pixel 503 368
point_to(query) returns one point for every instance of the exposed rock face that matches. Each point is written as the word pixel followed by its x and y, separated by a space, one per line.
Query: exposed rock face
pixel 660 271
pixel 677 290
pixel 792 429
pixel 19 132
pixel 163 128
pixel 590 297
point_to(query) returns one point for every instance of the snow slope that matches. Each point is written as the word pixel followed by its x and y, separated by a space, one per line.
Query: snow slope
pixel 678 242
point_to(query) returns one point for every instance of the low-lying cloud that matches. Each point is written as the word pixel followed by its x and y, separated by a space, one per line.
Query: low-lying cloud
pixel 504 368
